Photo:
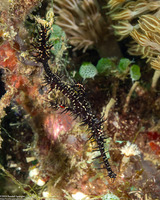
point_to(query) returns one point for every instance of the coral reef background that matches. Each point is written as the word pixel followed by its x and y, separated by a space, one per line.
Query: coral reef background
pixel 112 49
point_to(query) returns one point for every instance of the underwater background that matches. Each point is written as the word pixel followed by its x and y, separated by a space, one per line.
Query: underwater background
pixel 80 99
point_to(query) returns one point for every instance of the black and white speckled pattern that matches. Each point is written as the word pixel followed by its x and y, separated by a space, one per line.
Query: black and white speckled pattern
pixel 79 106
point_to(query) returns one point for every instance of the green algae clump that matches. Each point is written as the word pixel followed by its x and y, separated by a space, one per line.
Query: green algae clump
pixel 135 72
pixel 57 38
pixel 110 196
pixel 123 65
pixel 87 70
pixel 104 66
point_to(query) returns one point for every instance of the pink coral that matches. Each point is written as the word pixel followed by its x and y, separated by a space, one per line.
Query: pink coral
pixel 54 124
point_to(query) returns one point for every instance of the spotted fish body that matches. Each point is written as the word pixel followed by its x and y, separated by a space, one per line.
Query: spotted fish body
pixel 79 105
